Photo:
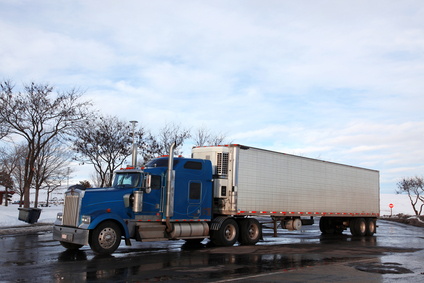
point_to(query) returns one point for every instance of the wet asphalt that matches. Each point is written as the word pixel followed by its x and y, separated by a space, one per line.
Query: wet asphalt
pixel 395 253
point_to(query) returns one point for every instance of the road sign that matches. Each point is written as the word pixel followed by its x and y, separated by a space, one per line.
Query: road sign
pixel 391 205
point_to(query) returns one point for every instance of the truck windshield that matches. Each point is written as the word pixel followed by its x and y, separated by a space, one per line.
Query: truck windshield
pixel 127 180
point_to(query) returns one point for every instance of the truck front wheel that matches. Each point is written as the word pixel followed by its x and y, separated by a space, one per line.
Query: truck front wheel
pixel 105 238
pixel 227 234
pixel 250 231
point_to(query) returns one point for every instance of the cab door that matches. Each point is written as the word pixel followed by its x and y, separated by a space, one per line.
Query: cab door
pixel 152 201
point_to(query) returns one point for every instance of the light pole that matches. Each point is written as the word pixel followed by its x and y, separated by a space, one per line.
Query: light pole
pixel 67 174
pixel 134 149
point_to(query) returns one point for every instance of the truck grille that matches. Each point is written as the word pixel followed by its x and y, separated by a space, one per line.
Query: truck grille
pixel 71 209
pixel 222 163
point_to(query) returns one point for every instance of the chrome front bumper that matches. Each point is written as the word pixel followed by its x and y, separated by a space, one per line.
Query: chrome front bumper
pixel 71 235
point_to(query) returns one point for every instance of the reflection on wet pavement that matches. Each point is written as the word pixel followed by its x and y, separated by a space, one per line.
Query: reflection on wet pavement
pixel 395 253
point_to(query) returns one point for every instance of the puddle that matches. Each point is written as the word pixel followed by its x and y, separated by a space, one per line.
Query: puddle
pixel 382 268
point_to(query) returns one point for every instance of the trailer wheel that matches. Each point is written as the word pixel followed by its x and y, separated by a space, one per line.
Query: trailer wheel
pixel 250 231
pixel 326 226
pixel 227 234
pixel 370 224
pixel 358 227
pixel 105 238
pixel 70 246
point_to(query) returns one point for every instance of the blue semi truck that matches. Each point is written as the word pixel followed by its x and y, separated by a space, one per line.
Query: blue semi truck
pixel 219 193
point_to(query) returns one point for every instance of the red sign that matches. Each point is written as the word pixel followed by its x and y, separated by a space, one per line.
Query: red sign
pixel 391 205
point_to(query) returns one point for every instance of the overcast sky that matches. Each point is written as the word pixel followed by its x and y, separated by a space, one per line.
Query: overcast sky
pixel 341 81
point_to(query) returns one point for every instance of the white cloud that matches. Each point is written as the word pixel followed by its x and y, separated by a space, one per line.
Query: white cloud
pixel 328 79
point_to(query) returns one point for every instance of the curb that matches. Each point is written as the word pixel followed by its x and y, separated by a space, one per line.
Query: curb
pixel 26 229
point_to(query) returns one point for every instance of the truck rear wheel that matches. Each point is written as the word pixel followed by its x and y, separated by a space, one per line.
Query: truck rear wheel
pixel 358 227
pixel 250 231
pixel 70 246
pixel 105 238
pixel 227 234
pixel 370 223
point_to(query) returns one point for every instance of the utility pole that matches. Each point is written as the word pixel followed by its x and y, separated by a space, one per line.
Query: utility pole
pixel 67 181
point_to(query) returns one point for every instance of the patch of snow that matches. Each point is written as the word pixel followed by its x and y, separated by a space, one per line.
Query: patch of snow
pixel 416 217
pixel 9 214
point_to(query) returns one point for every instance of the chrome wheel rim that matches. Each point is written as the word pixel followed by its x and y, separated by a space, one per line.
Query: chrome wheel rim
pixel 107 238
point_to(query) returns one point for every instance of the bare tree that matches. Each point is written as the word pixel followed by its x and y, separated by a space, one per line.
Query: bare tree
pixel 95 180
pixel 169 134
pixel 4 127
pixel 106 143
pixel 7 182
pixel 12 161
pixel 54 183
pixel 38 115
pixel 4 130
pixel 85 184
pixel 414 187
pixel 149 148
pixel 204 136
pixel 51 168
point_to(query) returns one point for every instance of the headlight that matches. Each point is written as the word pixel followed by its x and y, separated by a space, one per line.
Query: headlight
pixel 86 219
pixel 59 218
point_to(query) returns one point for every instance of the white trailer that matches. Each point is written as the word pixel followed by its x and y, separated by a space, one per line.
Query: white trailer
pixel 252 182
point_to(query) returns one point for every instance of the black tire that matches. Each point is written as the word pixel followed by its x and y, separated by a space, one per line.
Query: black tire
pixel 70 246
pixel 358 227
pixel 370 226
pixel 326 226
pixel 250 231
pixel 105 238
pixel 227 234
pixel 193 241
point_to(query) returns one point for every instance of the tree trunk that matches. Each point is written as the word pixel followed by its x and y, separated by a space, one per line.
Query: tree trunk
pixel 21 198
pixel 5 199
pixel 26 194
pixel 48 197
pixel 37 190
pixel 413 204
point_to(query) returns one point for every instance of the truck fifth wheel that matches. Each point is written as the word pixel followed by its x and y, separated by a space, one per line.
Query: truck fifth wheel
pixel 219 193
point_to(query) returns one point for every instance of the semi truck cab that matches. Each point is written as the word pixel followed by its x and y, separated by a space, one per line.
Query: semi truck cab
pixel 150 203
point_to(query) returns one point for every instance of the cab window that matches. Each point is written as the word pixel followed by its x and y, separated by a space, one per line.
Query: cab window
pixel 195 191
pixel 156 182
pixel 194 165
